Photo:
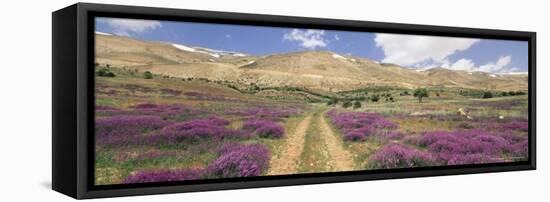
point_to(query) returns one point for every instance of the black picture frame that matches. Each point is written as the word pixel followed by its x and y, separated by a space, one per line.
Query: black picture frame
pixel 73 99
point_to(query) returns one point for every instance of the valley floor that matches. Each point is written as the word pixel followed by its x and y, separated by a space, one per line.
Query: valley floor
pixel 311 148
pixel 168 129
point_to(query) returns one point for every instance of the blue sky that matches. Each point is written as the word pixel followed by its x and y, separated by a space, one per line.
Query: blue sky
pixel 421 52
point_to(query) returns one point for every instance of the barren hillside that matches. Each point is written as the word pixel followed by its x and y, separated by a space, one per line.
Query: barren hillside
pixel 312 69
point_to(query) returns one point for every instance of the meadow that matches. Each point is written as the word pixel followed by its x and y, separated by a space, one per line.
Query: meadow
pixel 155 128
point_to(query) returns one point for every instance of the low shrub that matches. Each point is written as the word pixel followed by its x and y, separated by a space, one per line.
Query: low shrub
pixel 400 156
pixel 163 176
pixel 240 161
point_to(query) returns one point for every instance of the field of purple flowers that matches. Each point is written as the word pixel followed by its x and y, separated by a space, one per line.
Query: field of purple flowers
pixel 472 142
pixel 172 130
pixel 170 142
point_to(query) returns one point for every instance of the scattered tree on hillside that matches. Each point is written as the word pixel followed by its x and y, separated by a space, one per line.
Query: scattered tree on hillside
pixel 346 104
pixel 487 94
pixel 147 75
pixel 420 93
pixel 332 101
pixel 374 98
pixel 520 93
pixel 356 105
pixel 105 72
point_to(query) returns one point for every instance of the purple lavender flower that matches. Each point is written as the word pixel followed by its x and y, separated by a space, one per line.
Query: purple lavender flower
pixel 196 130
pixel 152 154
pixel 240 161
pixel 118 130
pixel 400 156
pixel 513 138
pixel 518 151
pixel 167 110
pixel 263 128
pixel 392 135
pixel 163 176
pixel 172 92
pixel 270 131
pixel 358 126
pixel 146 106
pixel 218 120
pixel 355 136
pixel 517 125
pixel 101 108
pixel 472 146
pixel 464 159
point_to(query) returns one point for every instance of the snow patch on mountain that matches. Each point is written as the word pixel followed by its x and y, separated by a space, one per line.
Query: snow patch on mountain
pixel 220 53
pixel 103 33
pixel 514 73
pixel 336 56
pixel 194 50
pixel 211 52
pixel 184 48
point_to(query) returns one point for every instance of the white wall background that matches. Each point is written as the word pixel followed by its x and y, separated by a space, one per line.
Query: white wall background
pixel 25 102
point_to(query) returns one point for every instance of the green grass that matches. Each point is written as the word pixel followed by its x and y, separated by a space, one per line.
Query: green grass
pixel 111 170
pixel 127 89
pixel 314 157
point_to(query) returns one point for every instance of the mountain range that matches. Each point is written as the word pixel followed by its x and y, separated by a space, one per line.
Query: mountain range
pixel 323 70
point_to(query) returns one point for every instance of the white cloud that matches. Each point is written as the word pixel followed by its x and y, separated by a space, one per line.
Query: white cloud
pixel 227 36
pixel 125 27
pixel 462 64
pixel 336 37
pixel 499 66
pixel 411 50
pixel 309 38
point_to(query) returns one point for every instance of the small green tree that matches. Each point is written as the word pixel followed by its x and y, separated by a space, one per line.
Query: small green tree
pixel 332 101
pixel 520 93
pixel 420 93
pixel 346 104
pixel 105 72
pixel 147 75
pixel 487 94
pixel 374 98
pixel 356 105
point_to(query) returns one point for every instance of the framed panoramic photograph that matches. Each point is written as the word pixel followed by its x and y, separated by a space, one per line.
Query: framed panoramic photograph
pixel 153 100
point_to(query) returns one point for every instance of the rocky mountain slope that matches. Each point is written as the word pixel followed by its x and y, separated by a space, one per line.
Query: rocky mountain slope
pixel 311 69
